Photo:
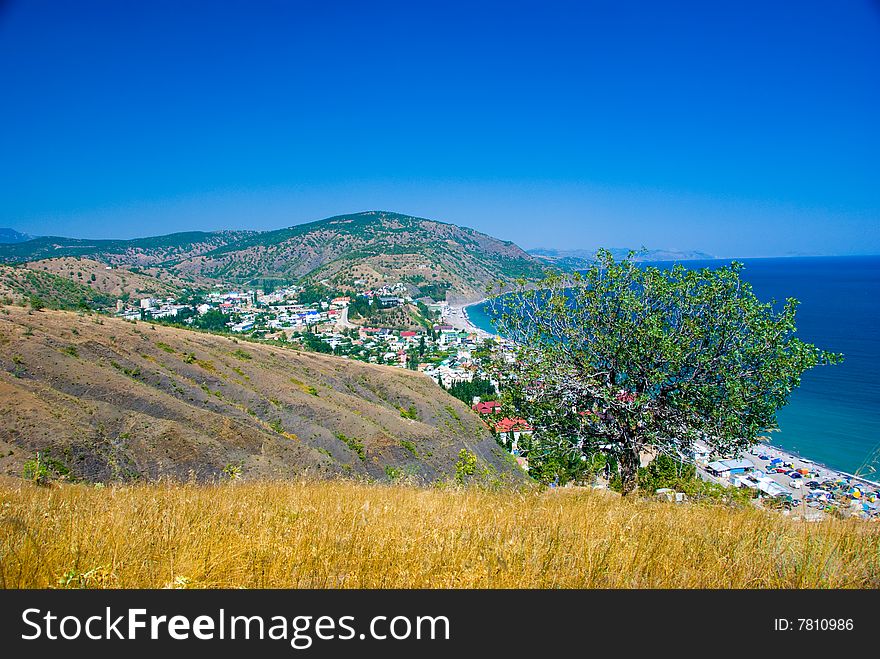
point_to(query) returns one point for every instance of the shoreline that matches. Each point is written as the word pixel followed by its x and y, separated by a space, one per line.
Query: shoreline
pixel 459 319
pixel 778 451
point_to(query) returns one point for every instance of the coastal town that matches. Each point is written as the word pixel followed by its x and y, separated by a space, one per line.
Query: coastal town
pixel 385 325
pixel 419 336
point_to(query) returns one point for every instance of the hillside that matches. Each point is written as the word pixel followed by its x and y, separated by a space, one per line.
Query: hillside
pixel 20 285
pixel 120 281
pixel 108 399
pixel 373 247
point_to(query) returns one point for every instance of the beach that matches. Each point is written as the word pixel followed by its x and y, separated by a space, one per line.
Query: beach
pixel 812 492
pixel 457 317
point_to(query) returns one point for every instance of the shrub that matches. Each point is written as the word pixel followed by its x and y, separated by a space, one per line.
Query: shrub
pixel 466 465
pixel 42 469
pixel 232 471
pixel 354 444
pixel 36 471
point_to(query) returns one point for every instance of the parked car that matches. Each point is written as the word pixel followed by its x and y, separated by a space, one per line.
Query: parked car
pixel 795 484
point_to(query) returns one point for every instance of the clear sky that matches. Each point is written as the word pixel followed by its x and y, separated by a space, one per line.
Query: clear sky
pixel 737 128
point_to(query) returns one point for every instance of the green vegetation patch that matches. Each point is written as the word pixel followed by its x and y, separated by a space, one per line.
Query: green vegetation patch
pixel 353 443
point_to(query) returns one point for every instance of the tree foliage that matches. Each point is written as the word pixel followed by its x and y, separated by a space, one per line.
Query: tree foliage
pixel 621 357
pixel 466 391
pixel 213 320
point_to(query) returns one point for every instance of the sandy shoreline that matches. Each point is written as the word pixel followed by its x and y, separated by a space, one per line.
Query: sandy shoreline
pixel 458 318
pixel 799 460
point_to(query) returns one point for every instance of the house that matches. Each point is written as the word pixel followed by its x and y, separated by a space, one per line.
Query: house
pixel 487 407
pixel 388 302
pixel 770 487
pixel 510 430
pixel 729 467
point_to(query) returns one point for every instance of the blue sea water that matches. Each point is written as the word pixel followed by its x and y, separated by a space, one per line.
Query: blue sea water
pixel 834 417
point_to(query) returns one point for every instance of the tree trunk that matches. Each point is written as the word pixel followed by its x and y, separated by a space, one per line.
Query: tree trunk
pixel 629 469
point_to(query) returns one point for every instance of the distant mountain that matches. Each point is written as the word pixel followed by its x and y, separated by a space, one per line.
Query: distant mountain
pixel 573 259
pixel 139 252
pixel 346 251
pixel 12 236
pixel 373 247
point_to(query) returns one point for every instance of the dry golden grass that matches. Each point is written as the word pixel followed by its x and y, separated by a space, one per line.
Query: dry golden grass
pixel 340 534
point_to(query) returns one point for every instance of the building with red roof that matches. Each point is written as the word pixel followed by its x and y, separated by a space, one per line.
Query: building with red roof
pixel 510 430
pixel 487 407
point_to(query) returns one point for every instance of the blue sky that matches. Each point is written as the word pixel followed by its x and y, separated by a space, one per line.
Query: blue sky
pixel 737 128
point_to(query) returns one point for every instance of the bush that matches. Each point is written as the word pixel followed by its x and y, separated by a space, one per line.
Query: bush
pixel 36 471
pixel 42 469
pixel 232 472
pixel 466 465
pixel 354 444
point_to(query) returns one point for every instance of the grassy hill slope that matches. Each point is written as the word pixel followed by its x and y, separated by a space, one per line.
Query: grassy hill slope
pixel 116 283
pixel 113 400
pixel 20 285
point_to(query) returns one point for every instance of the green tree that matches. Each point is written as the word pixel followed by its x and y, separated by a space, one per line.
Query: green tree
pixel 315 343
pixel 466 391
pixel 621 357
pixel 213 320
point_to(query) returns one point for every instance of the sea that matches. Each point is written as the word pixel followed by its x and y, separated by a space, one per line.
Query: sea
pixel 834 416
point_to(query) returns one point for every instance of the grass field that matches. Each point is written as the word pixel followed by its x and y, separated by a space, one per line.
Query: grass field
pixel 342 534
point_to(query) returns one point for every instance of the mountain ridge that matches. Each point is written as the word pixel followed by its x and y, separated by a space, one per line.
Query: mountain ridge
pixel 575 259
pixel 11 236
pixel 350 250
